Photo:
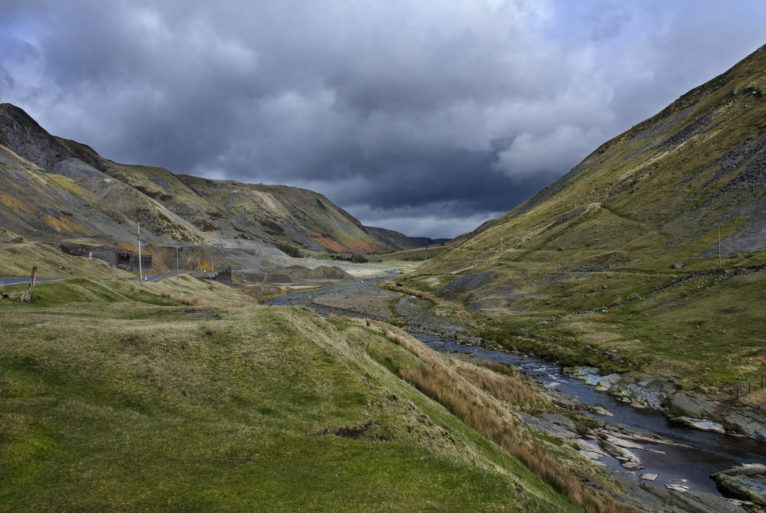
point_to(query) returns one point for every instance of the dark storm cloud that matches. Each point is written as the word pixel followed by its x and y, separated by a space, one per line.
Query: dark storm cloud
pixel 423 116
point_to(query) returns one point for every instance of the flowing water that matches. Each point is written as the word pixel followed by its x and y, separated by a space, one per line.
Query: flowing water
pixel 690 463
pixel 702 453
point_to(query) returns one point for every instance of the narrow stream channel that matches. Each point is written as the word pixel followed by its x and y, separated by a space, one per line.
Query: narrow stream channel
pixel 706 452
pixel 690 464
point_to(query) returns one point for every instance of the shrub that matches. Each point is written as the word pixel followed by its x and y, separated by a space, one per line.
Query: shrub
pixel 289 249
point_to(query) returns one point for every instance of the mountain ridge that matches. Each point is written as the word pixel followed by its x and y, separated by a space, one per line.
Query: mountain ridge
pixel 172 207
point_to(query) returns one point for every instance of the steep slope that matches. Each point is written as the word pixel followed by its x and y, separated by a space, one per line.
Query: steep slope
pixel 48 193
pixel 233 210
pixel 89 196
pixel 285 215
pixel 620 257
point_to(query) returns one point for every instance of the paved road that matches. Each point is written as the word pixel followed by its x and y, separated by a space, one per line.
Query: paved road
pixel 156 277
pixel 16 281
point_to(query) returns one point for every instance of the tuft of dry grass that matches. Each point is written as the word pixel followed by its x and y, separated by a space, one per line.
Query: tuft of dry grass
pixel 508 388
pixel 190 301
pixel 187 300
pixel 480 398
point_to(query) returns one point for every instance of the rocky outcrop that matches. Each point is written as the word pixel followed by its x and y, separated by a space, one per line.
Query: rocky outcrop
pixel 695 412
pixel 748 423
pixel 686 406
pixel 679 499
pixel 645 393
pixel 701 424
pixel 464 284
pixel 746 481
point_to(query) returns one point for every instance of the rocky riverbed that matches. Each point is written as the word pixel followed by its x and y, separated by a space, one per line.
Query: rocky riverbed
pixel 664 465
pixel 696 412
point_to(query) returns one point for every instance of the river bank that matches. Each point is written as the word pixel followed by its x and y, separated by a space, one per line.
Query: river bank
pixel 624 426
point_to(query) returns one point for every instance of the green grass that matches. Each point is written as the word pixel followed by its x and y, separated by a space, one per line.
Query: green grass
pixel 17 259
pixel 118 396
pixel 699 330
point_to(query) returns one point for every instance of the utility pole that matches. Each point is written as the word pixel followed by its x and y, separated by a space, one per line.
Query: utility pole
pixel 140 269
pixel 719 247
pixel 176 259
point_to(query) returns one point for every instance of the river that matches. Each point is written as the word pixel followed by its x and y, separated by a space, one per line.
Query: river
pixel 690 463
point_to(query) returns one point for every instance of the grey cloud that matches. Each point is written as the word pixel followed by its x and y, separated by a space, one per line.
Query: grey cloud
pixel 429 109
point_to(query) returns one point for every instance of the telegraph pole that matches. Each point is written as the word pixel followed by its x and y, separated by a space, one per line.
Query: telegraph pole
pixel 140 269
pixel 176 259
pixel 719 247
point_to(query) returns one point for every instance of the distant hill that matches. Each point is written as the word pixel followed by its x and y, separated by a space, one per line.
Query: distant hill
pixel 54 188
pixel 400 241
pixel 622 253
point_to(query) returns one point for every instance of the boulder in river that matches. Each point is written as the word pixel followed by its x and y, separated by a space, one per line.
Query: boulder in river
pixel 627 458
pixel 701 424
pixel 647 393
pixel 747 481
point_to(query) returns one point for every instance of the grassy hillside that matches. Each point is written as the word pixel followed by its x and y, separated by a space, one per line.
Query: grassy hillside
pixel 617 264
pixel 17 259
pixel 185 396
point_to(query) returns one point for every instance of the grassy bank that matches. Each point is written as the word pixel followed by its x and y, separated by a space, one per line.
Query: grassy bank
pixel 488 399
pixel 701 328
pixel 185 396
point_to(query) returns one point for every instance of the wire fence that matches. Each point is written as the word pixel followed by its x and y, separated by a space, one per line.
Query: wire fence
pixel 748 387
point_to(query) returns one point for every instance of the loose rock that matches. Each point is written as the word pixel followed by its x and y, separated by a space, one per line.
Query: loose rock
pixel 701 424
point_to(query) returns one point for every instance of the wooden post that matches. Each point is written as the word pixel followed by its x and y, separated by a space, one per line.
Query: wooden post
pixel 719 248
pixel 140 269
pixel 27 295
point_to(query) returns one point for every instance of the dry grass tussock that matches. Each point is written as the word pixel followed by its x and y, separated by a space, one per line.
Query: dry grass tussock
pixel 511 389
pixel 482 400
pixel 187 300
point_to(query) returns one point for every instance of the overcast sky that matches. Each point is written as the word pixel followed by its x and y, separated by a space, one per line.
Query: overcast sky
pixel 424 116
